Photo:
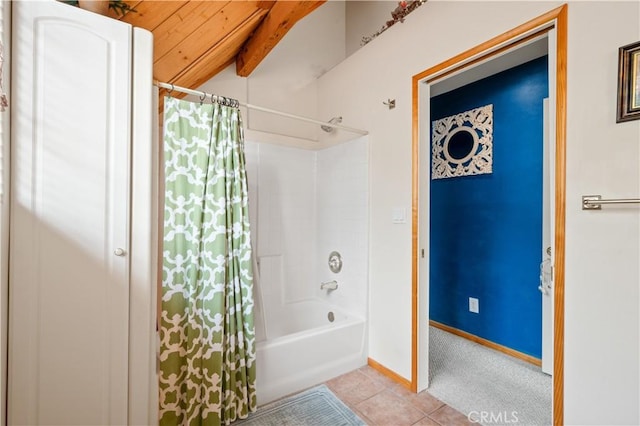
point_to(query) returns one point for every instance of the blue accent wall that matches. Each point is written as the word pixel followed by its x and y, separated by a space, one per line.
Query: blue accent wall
pixel 486 230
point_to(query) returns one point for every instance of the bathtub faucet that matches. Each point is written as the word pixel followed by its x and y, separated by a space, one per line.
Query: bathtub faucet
pixel 329 285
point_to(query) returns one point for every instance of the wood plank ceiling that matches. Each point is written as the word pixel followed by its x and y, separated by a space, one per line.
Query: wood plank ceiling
pixel 194 40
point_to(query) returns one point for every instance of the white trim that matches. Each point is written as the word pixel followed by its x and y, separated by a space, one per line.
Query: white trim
pixel 5 205
pixel 144 237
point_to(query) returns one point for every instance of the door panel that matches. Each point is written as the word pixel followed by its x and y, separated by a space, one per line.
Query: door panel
pixel 69 294
pixel 549 197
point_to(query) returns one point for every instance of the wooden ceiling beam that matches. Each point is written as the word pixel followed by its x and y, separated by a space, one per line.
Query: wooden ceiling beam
pixel 266 4
pixel 281 18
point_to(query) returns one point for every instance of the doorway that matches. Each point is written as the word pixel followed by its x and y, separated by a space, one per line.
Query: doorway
pixel 551 26
pixel 486 236
pixel 486 205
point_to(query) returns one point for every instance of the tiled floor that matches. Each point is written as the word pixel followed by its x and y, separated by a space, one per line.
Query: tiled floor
pixel 380 401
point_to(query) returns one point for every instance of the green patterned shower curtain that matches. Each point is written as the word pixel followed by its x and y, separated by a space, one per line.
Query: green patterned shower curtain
pixel 207 352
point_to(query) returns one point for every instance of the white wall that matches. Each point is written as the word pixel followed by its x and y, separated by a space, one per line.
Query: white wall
pixel 363 19
pixel 603 248
pixel 342 188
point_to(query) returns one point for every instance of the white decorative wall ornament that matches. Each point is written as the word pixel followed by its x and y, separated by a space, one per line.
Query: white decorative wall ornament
pixel 462 144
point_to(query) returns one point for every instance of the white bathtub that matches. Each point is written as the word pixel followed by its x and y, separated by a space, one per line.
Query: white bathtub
pixel 304 348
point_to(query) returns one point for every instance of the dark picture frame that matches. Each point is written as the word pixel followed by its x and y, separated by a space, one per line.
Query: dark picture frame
pixel 628 83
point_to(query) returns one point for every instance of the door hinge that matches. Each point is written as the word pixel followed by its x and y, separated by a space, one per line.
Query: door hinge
pixel 422 253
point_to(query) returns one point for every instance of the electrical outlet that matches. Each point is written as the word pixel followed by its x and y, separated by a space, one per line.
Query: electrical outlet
pixel 474 305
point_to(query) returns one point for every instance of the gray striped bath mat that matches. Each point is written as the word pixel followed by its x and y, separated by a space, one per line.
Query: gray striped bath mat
pixel 314 407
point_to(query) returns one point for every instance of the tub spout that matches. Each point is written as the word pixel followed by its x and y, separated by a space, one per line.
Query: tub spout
pixel 329 285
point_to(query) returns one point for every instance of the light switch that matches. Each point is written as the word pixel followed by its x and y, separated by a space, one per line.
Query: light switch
pixel 399 215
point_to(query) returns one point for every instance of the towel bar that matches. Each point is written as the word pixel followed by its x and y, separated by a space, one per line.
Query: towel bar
pixel 595 202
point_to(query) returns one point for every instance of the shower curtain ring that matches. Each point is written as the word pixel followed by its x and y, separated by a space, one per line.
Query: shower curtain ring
pixel 171 90
pixel 203 97
pixel 213 98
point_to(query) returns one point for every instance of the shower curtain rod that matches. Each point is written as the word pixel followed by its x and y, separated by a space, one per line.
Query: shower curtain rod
pixel 263 109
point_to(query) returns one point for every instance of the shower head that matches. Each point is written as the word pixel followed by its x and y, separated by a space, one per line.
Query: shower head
pixel 334 120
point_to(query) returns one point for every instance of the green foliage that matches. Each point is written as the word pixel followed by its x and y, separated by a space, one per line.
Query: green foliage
pixel 119 6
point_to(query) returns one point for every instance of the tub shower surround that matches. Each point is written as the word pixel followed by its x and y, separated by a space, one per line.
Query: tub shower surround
pixel 303 206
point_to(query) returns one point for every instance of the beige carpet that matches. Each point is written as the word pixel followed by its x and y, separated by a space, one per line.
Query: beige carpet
pixel 487 384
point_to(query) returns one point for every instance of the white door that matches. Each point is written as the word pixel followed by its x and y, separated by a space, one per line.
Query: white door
pixel 548 207
pixel 69 241
pixel 546 265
